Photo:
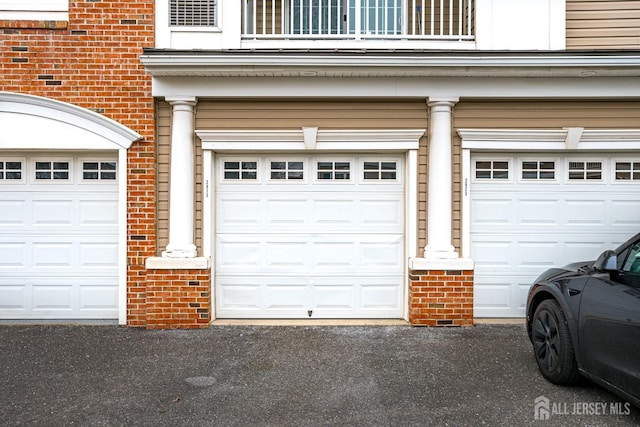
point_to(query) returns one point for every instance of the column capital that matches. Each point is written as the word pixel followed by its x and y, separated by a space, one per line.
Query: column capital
pixel 182 100
pixel 442 101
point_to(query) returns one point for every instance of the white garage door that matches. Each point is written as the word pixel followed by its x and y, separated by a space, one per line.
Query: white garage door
pixel 532 212
pixel 58 237
pixel 309 236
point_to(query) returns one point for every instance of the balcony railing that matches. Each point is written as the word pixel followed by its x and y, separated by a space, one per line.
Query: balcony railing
pixel 358 19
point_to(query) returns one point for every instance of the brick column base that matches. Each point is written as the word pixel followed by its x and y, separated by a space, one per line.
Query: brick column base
pixel 178 299
pixel 441 297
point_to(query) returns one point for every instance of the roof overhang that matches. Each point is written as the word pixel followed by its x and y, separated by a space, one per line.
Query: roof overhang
pixel 371 63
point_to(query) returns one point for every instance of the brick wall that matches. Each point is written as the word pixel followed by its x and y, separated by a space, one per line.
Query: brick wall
pixel 178 299
pixel 93 61
pixel 441 297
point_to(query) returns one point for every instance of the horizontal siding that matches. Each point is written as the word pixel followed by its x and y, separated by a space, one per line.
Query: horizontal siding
pixel 323 114
pixel 547 114
pixel 163 153
pixel 603 24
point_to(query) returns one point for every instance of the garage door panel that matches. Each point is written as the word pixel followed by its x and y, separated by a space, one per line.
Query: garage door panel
pixel 334 254
pixel 381 253
pixel 335 212
pixel 98 255
pixel 98 213
pixel 13 213
pixel 381 294
pixel 381 213
pixel 490 253
pixel 492 212
pixel 504 296
pixel 98 297
pixel 538 212
pixel 586 213
pixel 13 297
pixel 287 212
pixel 285 294
pixel 50 254
pixel 237 211
pixel 333 296
pixel 310 253
pixel 238 294
pixel 281 296
pixel 285 254
pixel 237 252
pixel 58 213
pixel 533 254
pixel 53 296
pixel 13 255
pixel 624 212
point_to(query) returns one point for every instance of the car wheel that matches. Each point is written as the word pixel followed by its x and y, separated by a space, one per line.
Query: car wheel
pixel 552 344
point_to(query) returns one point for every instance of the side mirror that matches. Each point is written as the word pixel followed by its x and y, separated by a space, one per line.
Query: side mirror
pixel 607 261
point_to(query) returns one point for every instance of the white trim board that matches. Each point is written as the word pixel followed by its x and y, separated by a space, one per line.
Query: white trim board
pixel 307 139
pixel 560 139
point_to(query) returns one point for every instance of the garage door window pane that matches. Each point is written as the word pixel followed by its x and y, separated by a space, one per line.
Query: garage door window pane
pixel 627 171
pixel 241 170
pixel 380 170
pixel 492 169
pixel 334 170
pixel 534 170
pixel 99 171
pixel 585 171
pixel 52 171
pixel 287 170
pixel 10 171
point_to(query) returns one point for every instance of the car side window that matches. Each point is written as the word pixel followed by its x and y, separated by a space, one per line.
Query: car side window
pixel 632 259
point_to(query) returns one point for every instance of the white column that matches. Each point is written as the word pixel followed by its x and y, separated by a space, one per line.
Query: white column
pixel 440 185
pixel 182 180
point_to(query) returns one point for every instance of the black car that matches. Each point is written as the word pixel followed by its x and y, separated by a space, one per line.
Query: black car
pixel 584 319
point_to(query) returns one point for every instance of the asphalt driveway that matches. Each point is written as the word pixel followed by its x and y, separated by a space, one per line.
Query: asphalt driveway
pixel 286 376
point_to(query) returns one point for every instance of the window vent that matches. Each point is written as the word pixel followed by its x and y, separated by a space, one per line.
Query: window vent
pixel 585 171
pixel 193 13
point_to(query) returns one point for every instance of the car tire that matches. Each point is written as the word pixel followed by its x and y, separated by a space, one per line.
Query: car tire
pixel 552 344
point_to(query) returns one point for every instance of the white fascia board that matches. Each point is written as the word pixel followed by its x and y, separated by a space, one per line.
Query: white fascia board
pixel 397 64
pixel 397 87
